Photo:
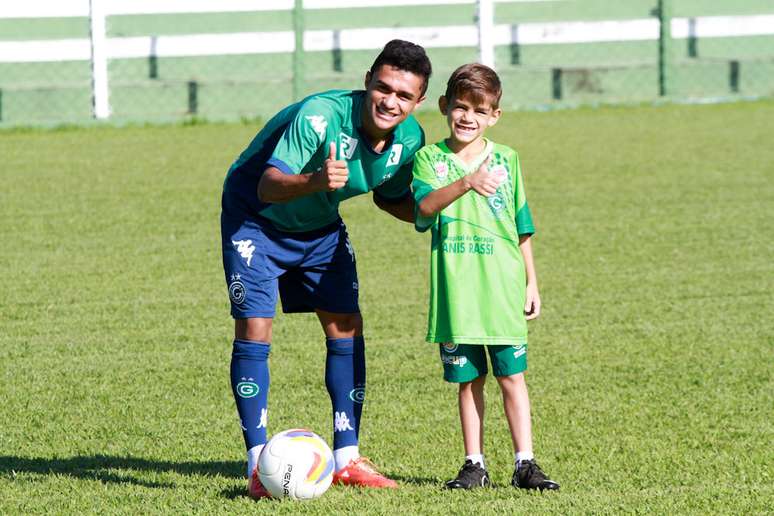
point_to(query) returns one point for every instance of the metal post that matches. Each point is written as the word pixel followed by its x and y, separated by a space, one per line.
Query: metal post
pixel 193 97
pixel 99 72
pixel 298 53
pixel 664 47
pixel 153 59
pixel 556 83
pixel 337 51
pixel 692 47
pixel 733 76
pixel 485 22
pixel 515 50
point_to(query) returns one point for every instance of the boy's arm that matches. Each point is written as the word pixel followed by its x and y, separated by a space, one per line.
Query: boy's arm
pixel 532 302
pixel 481 181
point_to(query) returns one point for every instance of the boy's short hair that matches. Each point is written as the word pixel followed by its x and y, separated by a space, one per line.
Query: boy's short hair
pixel 477 82
pixel 406 56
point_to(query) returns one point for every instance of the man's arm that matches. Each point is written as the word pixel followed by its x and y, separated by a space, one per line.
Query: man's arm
pixel 278 187
pixel 402 210
pixel 481 181
pixel 532 303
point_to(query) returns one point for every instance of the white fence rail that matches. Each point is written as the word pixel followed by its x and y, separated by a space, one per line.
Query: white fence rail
pixel 485 34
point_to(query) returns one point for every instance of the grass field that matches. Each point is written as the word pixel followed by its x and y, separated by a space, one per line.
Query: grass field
pixel 650 368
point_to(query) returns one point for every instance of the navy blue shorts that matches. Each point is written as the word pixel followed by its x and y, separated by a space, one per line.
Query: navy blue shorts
pixel 311 270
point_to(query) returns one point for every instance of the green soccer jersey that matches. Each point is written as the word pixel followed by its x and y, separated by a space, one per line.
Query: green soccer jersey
pixel 477 276
pixel 297 140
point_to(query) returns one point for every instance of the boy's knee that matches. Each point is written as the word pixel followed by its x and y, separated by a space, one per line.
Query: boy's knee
pixel 513 381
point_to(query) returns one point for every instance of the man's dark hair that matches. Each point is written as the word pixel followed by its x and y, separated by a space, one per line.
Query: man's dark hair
pixel 406 56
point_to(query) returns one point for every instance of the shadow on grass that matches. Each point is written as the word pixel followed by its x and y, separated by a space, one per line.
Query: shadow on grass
pixel 96 467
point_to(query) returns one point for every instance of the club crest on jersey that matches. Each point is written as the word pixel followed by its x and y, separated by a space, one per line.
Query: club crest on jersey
pixel 395 153
pixel 441 170
pixel 496 204
pixel 347 146
pixel 319 124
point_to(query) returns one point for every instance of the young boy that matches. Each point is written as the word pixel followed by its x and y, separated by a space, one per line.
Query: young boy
pixel 483 282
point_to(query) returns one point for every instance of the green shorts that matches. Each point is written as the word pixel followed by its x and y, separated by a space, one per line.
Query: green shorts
pixel 466 362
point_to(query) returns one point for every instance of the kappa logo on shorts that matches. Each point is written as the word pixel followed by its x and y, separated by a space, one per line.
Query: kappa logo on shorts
pixel 519 351
pixel 450 347
pixel 236 290
pixel 245 248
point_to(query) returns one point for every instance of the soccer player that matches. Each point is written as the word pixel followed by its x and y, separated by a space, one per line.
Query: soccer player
pixel 281 230
pixel 470 195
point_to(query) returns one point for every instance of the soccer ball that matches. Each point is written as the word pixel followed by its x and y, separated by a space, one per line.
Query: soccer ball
pixel 296 464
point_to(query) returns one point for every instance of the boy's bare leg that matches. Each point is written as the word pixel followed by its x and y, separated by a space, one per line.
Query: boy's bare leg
pixel 471 401
pixel 517 410
pixel 471 404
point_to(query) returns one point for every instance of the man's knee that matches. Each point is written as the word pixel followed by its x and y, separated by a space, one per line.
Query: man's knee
pixel 256 329
pixel 341 325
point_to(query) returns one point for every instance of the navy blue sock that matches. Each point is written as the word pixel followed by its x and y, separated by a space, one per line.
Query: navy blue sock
pixel 250 385
pixel 359 366
pixel 345 380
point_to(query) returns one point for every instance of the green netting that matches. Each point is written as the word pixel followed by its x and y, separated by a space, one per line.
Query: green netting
pixel 256 85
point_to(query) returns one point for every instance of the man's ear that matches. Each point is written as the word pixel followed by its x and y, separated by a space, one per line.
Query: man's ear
pixel 495 116
pixel 367 79
pixel 443 104
pixel 419 102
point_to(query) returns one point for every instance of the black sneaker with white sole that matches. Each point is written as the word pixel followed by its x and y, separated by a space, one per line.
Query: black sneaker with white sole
pixel 471 475
pixel 528 475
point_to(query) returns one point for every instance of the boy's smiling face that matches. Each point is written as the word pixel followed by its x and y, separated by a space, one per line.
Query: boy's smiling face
pixel 468 118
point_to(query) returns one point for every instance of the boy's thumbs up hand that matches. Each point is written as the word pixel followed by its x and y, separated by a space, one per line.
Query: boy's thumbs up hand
pixel 482 181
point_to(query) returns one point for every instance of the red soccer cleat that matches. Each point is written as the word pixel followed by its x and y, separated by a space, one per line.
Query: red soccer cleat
pixel 255 489
pixel 361 472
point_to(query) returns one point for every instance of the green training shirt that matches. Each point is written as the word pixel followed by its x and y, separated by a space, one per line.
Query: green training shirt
pixel 296 141
pixel 477 276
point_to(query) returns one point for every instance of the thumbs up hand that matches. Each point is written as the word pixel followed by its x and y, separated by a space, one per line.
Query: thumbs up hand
pixel 334 173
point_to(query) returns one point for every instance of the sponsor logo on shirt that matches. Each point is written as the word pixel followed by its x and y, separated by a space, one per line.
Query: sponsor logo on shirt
pixel 319 124
pixel 395 152
pixel 441 170
pixel 500 173
pixel 347 146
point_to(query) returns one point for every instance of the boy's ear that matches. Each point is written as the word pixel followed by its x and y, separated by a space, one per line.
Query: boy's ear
pixel 367 79
pixel 443 104
pixel 495 116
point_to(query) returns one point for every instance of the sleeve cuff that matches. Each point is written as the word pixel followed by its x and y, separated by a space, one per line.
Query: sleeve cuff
pixel 280 165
